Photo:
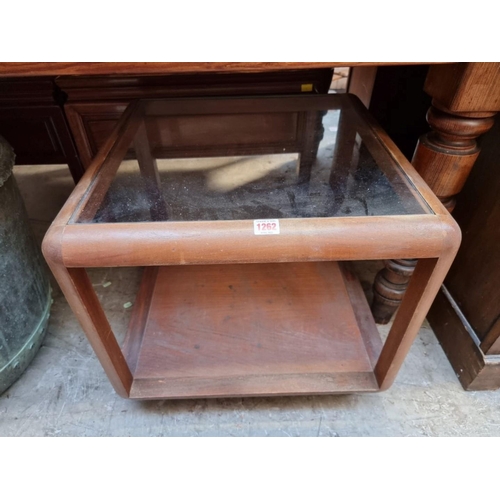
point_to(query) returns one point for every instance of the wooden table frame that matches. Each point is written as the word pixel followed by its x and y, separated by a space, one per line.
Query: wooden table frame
pixel 466 97
pixel 432 238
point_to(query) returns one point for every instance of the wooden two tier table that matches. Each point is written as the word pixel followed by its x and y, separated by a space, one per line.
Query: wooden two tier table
pixel 246 214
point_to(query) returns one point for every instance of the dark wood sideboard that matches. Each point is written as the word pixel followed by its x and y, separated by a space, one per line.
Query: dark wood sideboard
pixel 66 119
pixel 95 104
pixel 32 120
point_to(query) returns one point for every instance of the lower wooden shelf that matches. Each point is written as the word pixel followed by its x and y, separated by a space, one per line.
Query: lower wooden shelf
pixel 250 330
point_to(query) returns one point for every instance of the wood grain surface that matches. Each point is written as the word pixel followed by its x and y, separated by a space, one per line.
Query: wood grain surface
pixel 466 97
pixel 252 330
pixel 151 68
pixel 207 242
pixel 466 315
pixel 475 370
pixel 466 87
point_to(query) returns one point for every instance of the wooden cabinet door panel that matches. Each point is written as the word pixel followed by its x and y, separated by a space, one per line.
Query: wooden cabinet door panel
pixel 39 135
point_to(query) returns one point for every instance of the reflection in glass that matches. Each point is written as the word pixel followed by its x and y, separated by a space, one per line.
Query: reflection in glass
pixel 326 169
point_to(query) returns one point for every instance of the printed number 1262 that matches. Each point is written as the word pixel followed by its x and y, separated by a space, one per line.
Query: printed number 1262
pixel 266 226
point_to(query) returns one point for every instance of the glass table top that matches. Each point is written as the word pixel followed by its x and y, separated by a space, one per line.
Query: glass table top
pixel 266 159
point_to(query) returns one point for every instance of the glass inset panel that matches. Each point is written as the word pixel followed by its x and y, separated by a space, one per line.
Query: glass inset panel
pixel 317 163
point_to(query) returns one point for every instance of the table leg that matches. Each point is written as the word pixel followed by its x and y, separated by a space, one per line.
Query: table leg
pixel 422 289
pixel 77 288
pixel 444 157
pixel 313 133
pixel 150 175
pixel 389 288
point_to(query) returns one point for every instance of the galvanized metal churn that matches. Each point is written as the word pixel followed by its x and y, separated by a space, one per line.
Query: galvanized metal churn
pixel 25 295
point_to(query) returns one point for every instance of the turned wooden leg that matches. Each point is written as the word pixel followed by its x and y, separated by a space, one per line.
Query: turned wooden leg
pixel 444 158
pixel 389 288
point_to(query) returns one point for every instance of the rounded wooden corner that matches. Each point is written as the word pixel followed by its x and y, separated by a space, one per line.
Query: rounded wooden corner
pixel 384 386
pixel 356 102
pixel 452 235
pixel 124 395
pixel 52 245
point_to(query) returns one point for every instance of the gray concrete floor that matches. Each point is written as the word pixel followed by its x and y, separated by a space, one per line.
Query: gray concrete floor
pixel 65 392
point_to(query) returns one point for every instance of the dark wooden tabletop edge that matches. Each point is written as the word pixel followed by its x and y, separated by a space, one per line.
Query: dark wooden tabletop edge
pixel 19 69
